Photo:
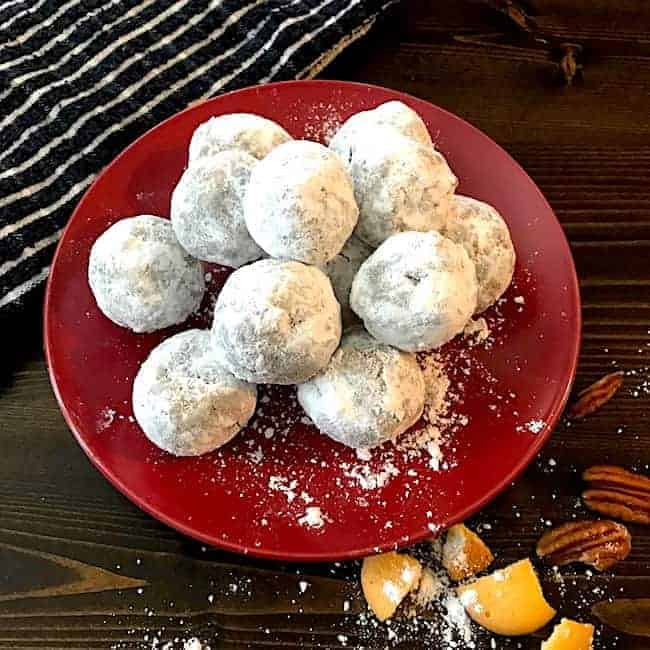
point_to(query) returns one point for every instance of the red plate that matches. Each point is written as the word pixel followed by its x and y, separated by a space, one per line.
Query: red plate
pixel 512 397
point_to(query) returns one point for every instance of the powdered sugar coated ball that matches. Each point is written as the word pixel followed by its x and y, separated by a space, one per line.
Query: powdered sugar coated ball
pixel 207 209
pixel 254 134
pixel 481 230
pixel 368 394
pixel 185 401
pixel 399 184
pixel 341 270
pixel 276 322
pixel 300 204
pixel 416 291
pixel 395 115
pixel 141 277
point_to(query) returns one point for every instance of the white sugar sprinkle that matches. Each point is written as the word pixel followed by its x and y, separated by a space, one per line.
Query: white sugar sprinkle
pixel 282 484
pixel 192 644
pixel 313 517
pixel 106 418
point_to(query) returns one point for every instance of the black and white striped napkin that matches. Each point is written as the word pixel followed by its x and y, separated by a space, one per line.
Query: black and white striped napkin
pixel 81 79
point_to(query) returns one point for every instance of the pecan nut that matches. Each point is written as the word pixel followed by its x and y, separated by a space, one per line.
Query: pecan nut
pixel 618 493
pixel 593 397
pixel 600 544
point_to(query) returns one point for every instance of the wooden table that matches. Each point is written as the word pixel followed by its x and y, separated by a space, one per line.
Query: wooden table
pixel 80 567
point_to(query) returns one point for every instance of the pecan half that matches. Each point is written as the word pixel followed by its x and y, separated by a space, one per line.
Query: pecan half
pixel 593 397
pixel 616 492
pixel 600 544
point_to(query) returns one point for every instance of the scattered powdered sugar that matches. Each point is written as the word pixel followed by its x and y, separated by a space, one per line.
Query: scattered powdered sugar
pixel 256 456
pixel 640 386
pixel 457 622
pixel 282 484
pixel 435 451
pixel 435 611
pixel 533 426
pixel 558 579
pixel 270 422
pixel 369 478
pixel 313 517
pixel 426 442
pixel 106 419
pixel 325 121
pixel 193 644
pixel 439 424
pixel 454 624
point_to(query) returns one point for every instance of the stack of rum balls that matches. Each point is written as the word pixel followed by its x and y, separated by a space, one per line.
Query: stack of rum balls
pixel 366 234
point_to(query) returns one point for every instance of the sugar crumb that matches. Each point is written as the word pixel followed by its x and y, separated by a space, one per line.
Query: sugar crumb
pixel 313 517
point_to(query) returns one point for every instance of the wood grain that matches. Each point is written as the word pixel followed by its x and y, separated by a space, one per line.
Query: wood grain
pixel 81 567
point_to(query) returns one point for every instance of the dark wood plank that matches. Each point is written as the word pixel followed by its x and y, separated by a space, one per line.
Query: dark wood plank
pixel 81 567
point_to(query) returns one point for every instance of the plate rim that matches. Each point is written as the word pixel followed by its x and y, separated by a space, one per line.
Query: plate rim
pixel 320 556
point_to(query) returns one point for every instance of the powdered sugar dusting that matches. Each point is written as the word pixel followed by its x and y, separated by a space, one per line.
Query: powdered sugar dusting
pixel 324 123
pixel 438 423
pixel 283 485
pixel 314 517
pixel 193 644
pixel 433 612
pixel 371 479
pixel 426 442
pixel 106 418
pixel 533 426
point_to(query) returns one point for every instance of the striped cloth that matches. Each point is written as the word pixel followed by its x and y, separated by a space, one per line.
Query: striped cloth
pixel 81 79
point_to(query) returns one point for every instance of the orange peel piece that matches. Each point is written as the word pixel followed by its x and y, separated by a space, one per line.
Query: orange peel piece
pixel 509 601
pixel 570 635
pixel 386 579
pixel 464 553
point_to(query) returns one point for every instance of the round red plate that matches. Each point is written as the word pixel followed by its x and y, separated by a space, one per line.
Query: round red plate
pixel 250 496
